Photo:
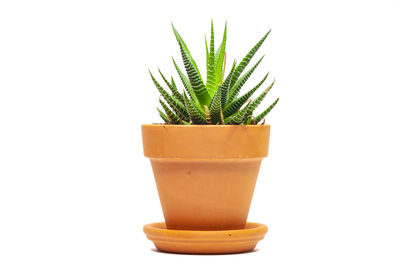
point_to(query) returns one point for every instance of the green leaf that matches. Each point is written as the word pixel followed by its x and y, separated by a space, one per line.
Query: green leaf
pixel 175 91
pixel 258 118
pixel 238 117
pixel 172 87
pixel 249 120
pixel 196 115
pixel 207 53
pixel 242 65
pixel 225 86
pixel 215 100
pixel 174 103
pixel 215 107
pixel 163 116
pixel 254 104
pixel 244 114
pixel 187 52
pixel 186 84
pixel 211 87
pixel 237 103
pixel 219 57
pixel 234 91
pixel 173 118
pixel 195 80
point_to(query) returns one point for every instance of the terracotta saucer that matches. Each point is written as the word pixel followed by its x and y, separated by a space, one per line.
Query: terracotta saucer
pixel 205 242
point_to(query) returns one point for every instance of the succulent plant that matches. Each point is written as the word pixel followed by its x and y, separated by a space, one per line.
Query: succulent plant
pixel 217 100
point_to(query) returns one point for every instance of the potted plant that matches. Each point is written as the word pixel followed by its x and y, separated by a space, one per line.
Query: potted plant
pixel 207 153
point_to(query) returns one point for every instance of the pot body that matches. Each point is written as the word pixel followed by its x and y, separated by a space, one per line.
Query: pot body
pixel 205 174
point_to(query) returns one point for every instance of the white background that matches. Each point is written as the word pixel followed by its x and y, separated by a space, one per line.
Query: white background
pixel 75 189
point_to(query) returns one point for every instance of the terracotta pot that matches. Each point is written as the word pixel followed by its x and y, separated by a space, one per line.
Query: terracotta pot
pixel 205 174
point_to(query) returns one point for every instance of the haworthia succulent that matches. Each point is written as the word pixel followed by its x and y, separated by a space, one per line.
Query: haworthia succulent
pixel 211 65
pixel 165 80
pixel 215 100
pixel 173 118
pixel 254 104
pixel 172 87
pixel 175 91
pixel 163 116
pixel 238 117
pixel 207 52
pixel 197 84
pixel 215 107
pixel 261 116
pixel 245 61
pixel 225 85
pixel 184 47
pixel 219 59
pixel 234 91
pixel 186 83
pixel 174 103
pixel 196 115
pixel 237 103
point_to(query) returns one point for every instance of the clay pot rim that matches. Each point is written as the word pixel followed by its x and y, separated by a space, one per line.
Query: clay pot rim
pixel 205 141
pixel 203 125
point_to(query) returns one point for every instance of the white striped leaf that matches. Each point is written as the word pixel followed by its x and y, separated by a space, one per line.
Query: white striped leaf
pixel 219 58
pixel 236 104
pixel 211 85
pixel 258 118
pixel 234 91
pixel 184 47
pixel 173 118
pixel 242 65
pixel 163 116
pixel 174 103
pixel 197 84
pixel 196 115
